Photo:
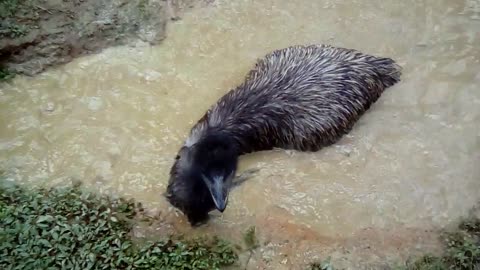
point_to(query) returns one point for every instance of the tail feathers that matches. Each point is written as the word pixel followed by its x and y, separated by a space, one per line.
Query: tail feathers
pixel 388 70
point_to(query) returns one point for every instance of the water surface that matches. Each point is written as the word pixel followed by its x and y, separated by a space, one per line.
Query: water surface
pixel 116 120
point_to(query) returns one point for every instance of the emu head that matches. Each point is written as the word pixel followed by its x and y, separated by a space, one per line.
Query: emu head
pixel 201 177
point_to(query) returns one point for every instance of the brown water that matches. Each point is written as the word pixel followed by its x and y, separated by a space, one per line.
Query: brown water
pixel 116 120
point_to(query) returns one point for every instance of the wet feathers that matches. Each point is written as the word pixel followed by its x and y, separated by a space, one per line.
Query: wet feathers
pixel 301 97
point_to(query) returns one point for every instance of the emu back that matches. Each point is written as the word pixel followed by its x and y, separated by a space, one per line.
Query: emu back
pixel 301 97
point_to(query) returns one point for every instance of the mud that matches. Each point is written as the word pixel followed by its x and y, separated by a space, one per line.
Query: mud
pixel 38 34
pixel 283 243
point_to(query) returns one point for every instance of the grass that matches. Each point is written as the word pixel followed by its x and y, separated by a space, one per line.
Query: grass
pixel 9 26
pixel 324 265
pixel 6 75
pixel 72 229
pixel 250 239
pixel 142 6
pixel 12 30
pixel 462 251
pixel 143 9
pixel 68 228
pixel 8 7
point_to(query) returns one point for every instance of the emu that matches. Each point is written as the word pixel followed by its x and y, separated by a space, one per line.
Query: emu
pixel 301 98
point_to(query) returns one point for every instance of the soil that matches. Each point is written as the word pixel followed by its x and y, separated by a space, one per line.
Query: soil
pixel 283 244
pixel 37 34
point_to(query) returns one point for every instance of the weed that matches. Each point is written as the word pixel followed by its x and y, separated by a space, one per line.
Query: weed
pixel 12 30
pixel 6 75
pixel 462 250
pixel 71 229
pixel 8 26
pixel 8 7
pixel 250 239
pixel 142 7
pixel 324 265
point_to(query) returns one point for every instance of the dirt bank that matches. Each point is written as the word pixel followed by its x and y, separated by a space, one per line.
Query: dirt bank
pixel 37 34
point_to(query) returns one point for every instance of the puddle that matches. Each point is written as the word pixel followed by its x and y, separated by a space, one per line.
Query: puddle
pixel 116 120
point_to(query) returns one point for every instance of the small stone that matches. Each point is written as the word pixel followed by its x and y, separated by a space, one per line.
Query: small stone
pixel 152 212
pixel 50 107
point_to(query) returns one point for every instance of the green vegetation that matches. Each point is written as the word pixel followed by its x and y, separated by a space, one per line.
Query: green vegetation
pixel 12 30
pixel 251 243
pixel 8 7
pixel 462 252
pixel 6 75
pixel 68 228
pixel 9 25
pixel 324 265
pixel 142 6
pixel 250 239
pixel 72 229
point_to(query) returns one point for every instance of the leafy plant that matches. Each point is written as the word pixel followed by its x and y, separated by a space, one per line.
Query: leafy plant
pixel 250 238
pixel 12 30
pixel 142 6
pixel 8 7
pixel 5 75
pixel 324 265
pixel 70 229
pixel 462 250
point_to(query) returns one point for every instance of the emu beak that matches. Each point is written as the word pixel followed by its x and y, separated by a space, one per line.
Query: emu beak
pixel 218 190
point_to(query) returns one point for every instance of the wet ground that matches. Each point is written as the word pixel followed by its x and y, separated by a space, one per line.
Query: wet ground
pixel 38 34
pixel 410 166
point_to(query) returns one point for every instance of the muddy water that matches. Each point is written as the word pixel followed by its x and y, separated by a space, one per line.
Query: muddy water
pixel 115 121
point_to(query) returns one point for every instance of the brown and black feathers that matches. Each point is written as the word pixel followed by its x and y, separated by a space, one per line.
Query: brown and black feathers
pixel 301 98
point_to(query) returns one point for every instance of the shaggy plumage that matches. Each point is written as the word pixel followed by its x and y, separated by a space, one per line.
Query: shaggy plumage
pixel 302 98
